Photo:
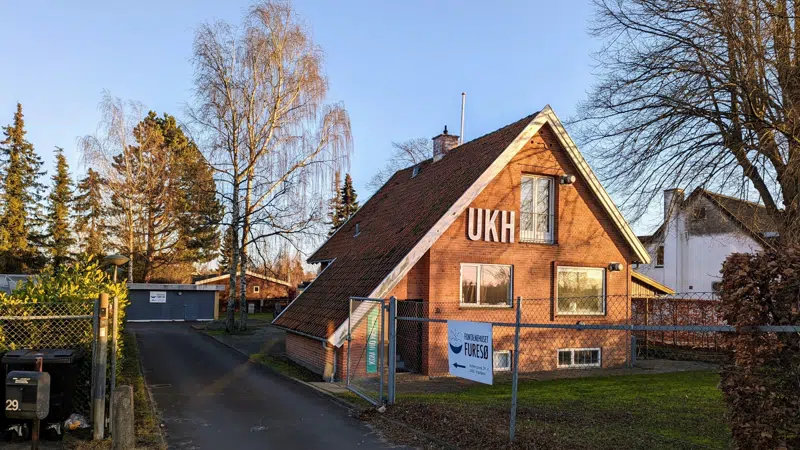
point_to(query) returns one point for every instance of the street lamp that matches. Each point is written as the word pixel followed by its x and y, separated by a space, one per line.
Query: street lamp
pixel 116 260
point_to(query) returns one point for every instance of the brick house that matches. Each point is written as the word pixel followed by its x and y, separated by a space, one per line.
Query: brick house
pixel 517 212
pixel 262 291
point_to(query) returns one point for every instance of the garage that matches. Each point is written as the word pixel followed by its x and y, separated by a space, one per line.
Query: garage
pixel 151 302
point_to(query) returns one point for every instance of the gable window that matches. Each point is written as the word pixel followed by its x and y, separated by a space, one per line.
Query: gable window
pixel 256 289
pixel 536 209
pixel 660 256
pixel 486 285
pixel 581 291
pixel 578 357
pixel 501 360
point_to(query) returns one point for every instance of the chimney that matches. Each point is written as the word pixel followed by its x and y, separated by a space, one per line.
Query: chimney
pixel 673 198
pixel 443 143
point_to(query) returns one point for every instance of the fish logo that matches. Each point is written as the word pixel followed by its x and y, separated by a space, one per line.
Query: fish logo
pixel 456 344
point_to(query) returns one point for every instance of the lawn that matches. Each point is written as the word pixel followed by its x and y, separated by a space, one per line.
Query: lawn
pixel 674 410
pixel 265 316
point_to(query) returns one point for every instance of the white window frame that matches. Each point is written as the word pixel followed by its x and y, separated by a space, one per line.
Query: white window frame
pixel 256 289
pixel 478 304
pixel 510 361
pixel 572 357
pixel 534 235
pixel 576 268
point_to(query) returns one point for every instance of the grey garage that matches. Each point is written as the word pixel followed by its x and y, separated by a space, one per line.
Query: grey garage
pixel 150 302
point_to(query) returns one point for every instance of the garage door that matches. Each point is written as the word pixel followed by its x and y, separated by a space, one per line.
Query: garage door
pixel 146 305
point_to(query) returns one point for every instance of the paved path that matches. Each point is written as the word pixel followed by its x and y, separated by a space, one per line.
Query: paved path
pixel 210 397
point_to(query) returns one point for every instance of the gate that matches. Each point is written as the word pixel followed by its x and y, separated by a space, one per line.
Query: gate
pixel 366 364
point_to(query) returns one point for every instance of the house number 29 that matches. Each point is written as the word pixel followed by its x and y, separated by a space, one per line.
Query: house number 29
pixel 12 405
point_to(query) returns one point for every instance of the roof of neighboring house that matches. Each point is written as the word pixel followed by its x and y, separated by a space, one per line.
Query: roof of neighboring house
pixel 249 274
pixel 10 281
pixel 650 283
pixel 751 217
pixel 400 222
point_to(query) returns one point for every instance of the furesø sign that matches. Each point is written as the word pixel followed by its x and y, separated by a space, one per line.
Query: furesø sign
pixel 158 296
pixel 469 350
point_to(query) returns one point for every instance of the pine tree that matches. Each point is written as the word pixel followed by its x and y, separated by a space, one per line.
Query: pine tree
pixel 90 217
pixel 59 235
pixel 21 197
pixel 349 199
pixel 226 251
pixel 334 207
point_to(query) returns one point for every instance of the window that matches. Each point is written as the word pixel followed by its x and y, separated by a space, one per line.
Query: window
pixel 485 285
pixel 501 360
pixel 579 357
pixel 699 213
pixel 415 171
pixel 660 256
pixel 358 230
pixel 581 291
pixel 536 209
pixel 256 289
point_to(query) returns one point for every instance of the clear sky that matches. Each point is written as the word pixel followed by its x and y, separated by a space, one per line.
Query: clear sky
pixel 399 67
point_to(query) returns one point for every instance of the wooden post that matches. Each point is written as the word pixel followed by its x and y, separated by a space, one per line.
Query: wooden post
pixel 99 369
pixel 122 413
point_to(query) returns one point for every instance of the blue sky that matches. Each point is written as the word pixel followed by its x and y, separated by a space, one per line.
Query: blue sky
pixel 399 67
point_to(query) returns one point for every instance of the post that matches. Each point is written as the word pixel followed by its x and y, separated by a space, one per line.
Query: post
pixel 100 358
pixel 382 347
pixel 392 348
pixel 114 347
pixel 36 422
pixel 122 413
pixel 515 374
pixel 95 327
pixel 349 324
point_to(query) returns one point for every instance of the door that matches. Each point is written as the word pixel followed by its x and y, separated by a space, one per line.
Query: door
pixel 190 311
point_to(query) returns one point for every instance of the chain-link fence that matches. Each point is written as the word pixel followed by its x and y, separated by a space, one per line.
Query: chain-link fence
pixel 590 372
pixel 366 361
pixel 64 325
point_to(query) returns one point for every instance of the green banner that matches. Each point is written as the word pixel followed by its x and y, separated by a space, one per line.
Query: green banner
pixel 372 341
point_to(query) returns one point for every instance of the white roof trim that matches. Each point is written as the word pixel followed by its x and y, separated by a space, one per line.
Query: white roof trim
pixel 249 273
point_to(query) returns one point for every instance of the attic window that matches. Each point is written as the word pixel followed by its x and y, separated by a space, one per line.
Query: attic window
pixel 415 171
pixel 700 213
pixel 358 229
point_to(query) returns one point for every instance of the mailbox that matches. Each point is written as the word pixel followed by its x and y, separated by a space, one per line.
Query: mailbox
pixel 27 395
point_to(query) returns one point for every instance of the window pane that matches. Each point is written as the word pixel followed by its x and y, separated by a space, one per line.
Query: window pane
pixel 587 357
pixel 543 196
pixel 495 284
pixel 564 358
pixel 660 255
pixel 580 291
pixel 469 284
pixel 526 204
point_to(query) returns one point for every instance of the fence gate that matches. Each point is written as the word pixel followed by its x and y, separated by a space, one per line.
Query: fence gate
pixel 366 362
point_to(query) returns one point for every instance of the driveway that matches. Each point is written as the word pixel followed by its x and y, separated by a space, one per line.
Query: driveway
pixel 211 397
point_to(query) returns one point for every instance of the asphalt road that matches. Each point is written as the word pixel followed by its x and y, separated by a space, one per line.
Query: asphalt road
pixel 210 397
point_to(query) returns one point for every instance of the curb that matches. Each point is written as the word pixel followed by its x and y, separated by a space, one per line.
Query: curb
pixel 152 401
pixel 339 401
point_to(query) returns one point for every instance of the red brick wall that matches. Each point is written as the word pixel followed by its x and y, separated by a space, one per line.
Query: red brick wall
pixel 267 291
pixel 311 354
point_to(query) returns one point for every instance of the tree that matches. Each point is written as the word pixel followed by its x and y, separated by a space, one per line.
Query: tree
pixel 59 233
pixel 21 196
pixel 349 199
pixel 698 93
pixel 334 207
pixel 226 251
pixel 90 216
pixel 272 140
pixel 404 154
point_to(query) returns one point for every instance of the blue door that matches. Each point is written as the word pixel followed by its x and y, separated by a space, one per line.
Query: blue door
pixel 190 311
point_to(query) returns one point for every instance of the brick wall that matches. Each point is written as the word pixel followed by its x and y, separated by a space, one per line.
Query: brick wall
pixel 311 354
pixel 268 292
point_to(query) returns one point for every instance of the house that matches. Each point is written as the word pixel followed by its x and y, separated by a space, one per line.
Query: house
pixel 262 291
pixel 697 235
pixel 10 282
pixel 517 212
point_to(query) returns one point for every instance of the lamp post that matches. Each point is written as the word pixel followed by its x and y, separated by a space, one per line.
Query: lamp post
pixel 117 260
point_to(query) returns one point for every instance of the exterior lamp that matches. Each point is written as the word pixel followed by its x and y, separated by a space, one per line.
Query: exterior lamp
pixel 116 260
pixel 615 267
pixel 567 179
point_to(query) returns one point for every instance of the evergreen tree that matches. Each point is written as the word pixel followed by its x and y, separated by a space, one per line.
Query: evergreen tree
pixel 226 251
pixel 90 218
pixel 349 199
pixel 334 207
pixel 59 235
pixel 21 197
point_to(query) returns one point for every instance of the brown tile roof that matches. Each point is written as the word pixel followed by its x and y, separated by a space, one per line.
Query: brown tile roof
pixel 391 223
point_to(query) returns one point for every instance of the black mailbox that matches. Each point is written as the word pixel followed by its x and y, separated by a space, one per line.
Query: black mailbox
pixel 27 395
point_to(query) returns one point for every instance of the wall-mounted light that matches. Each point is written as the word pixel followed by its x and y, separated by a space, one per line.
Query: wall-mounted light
pixel 615 267
pixel 567 179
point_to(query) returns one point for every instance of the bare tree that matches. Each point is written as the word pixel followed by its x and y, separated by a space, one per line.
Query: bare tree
pixel 404 154
pixel 272 139
pixel 698 93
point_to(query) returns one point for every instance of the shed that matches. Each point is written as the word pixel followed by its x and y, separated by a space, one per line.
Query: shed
pixel 152 302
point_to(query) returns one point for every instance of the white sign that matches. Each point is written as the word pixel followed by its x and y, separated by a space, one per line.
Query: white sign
pixel 158 296
pixel 469 350
pixel 482 224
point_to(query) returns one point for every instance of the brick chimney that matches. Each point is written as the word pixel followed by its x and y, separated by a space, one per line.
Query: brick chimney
pixel 673 199
pixel 443 143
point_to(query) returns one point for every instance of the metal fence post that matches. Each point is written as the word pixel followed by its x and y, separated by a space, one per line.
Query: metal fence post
pixel 349 339
pixel 95 328
pixel 392 348
pixel 515 375
pixel 114 348
pixel 380 355
pixel 100 358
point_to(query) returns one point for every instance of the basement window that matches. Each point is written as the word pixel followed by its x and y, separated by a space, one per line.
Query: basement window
pixel 501 360
pixel 578 357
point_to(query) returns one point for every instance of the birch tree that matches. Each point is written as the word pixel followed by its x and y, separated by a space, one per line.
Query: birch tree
pixel 272 138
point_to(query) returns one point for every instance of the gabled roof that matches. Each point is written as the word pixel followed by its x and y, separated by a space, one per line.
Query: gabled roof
pixel 752 218
pixel 401 221
pixel 650 283
pixel 249 274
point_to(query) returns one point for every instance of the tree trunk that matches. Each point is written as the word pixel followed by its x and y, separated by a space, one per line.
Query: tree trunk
pixel 230 323
pixel 243 271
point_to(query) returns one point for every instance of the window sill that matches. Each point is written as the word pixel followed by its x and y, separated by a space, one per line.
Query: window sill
pixel 560 314
pixel 468 306
pixel 535 241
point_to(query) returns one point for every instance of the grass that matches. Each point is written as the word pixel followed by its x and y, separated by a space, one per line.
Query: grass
pixel 285 367
pixel 265 316
pixel 682 409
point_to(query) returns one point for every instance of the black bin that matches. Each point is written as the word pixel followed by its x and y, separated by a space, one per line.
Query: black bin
pixel 63 365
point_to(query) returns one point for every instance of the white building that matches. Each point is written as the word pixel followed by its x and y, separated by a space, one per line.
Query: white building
pixel 698 233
